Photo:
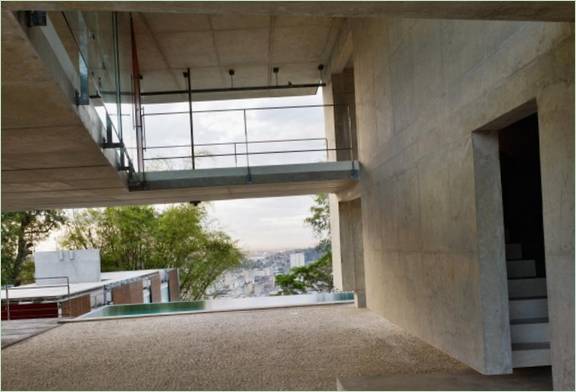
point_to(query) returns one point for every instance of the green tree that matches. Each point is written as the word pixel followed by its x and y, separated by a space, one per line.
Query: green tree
pixel 20 232
pixel 139 237
pixel 319 220
pixel 316 276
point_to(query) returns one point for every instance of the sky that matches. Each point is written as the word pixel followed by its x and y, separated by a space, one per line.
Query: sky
pixel 257 224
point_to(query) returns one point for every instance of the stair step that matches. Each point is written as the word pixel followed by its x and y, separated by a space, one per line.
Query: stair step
pixel 530 331
pixel 521 268
pixel 524 288
pixel 528 308
pixel 513 251
pixel 530 354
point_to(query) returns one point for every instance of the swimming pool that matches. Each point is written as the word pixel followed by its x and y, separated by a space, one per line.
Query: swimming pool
pixel 216 305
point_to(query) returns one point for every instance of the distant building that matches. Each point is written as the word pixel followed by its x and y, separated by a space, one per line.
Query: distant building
pixel 297 260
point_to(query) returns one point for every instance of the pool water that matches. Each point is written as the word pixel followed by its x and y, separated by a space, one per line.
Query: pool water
pixel 223 304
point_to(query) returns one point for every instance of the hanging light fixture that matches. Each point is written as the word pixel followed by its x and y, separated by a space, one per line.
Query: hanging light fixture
pixel 231 72
pixel 275 70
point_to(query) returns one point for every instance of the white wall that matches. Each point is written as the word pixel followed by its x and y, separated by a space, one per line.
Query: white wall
pixel 78 265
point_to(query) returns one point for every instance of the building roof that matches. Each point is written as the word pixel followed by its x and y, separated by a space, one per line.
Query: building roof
pixel 40 292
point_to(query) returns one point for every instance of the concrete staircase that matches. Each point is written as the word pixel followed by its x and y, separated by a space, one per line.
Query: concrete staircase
pixel 528 305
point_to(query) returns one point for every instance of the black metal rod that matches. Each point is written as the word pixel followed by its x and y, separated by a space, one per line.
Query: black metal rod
pixel 231 89
pixel 250 153
pixel 247 109
pixel 246 140
pixel 230 143
pixel 188 77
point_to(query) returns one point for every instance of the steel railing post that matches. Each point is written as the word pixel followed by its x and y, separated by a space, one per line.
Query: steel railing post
pixel 350 143
pixel 7 304
pixel 246 143
pixel 188 77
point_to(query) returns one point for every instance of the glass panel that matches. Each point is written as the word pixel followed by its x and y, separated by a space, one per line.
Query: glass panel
pixel 103 45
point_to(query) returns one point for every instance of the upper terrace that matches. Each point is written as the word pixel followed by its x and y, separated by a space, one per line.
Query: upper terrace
pixel 99 109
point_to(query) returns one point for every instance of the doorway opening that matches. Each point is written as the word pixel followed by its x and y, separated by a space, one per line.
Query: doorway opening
pixel 524 234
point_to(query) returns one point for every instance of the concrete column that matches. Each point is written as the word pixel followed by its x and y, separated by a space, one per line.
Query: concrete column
pixel 341 127
pixel 556 123
pixel 347 247
pixel 345 216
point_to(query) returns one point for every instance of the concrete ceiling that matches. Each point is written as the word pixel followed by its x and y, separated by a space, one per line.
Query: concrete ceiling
pixel 489 10
pixel 250 45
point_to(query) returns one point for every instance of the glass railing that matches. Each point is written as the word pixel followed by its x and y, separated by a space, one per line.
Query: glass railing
pixel 100 47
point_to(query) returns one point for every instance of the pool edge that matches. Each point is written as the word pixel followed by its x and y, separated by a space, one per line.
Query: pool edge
pixel 80 319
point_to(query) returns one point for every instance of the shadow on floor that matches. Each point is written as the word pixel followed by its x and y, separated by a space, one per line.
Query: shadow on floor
pixel 527 379
pixel 14 331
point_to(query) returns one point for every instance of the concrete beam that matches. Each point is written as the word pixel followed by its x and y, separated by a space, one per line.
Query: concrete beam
pixel 322 171
pixel 201 185
pixel 504 10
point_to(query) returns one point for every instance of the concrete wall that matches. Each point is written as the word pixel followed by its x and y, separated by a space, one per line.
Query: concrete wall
pixel 422 88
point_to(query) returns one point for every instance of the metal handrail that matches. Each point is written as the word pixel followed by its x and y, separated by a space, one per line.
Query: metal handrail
pixel 248 154
pixel 7 288
pixel 248 109
pixel 230 143
pixel 247 143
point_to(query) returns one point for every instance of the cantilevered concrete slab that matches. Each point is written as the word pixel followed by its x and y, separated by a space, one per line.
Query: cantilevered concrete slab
pixel 52 155
pixel 48 143
pixel 198 185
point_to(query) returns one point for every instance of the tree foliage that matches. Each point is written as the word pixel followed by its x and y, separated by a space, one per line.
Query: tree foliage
pixel 20 232
pixel 319 220
pixel 139 237
pixel 316 276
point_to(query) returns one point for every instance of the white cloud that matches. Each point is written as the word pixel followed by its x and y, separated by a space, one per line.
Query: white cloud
pixel 266 223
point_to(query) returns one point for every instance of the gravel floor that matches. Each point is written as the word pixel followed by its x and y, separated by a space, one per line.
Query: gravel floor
pixel 303 348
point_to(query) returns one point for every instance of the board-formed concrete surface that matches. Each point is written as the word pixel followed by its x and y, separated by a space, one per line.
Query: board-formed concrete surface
pixel 285 349
pixel 423 87
pixel 503 10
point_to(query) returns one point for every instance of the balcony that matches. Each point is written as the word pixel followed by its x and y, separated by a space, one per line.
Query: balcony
pixel 127 149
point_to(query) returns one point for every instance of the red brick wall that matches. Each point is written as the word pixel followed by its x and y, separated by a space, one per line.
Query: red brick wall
pixel 155 288
pixel 32 310
pixel 130 293
pixel 174 285
pixel 76 306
